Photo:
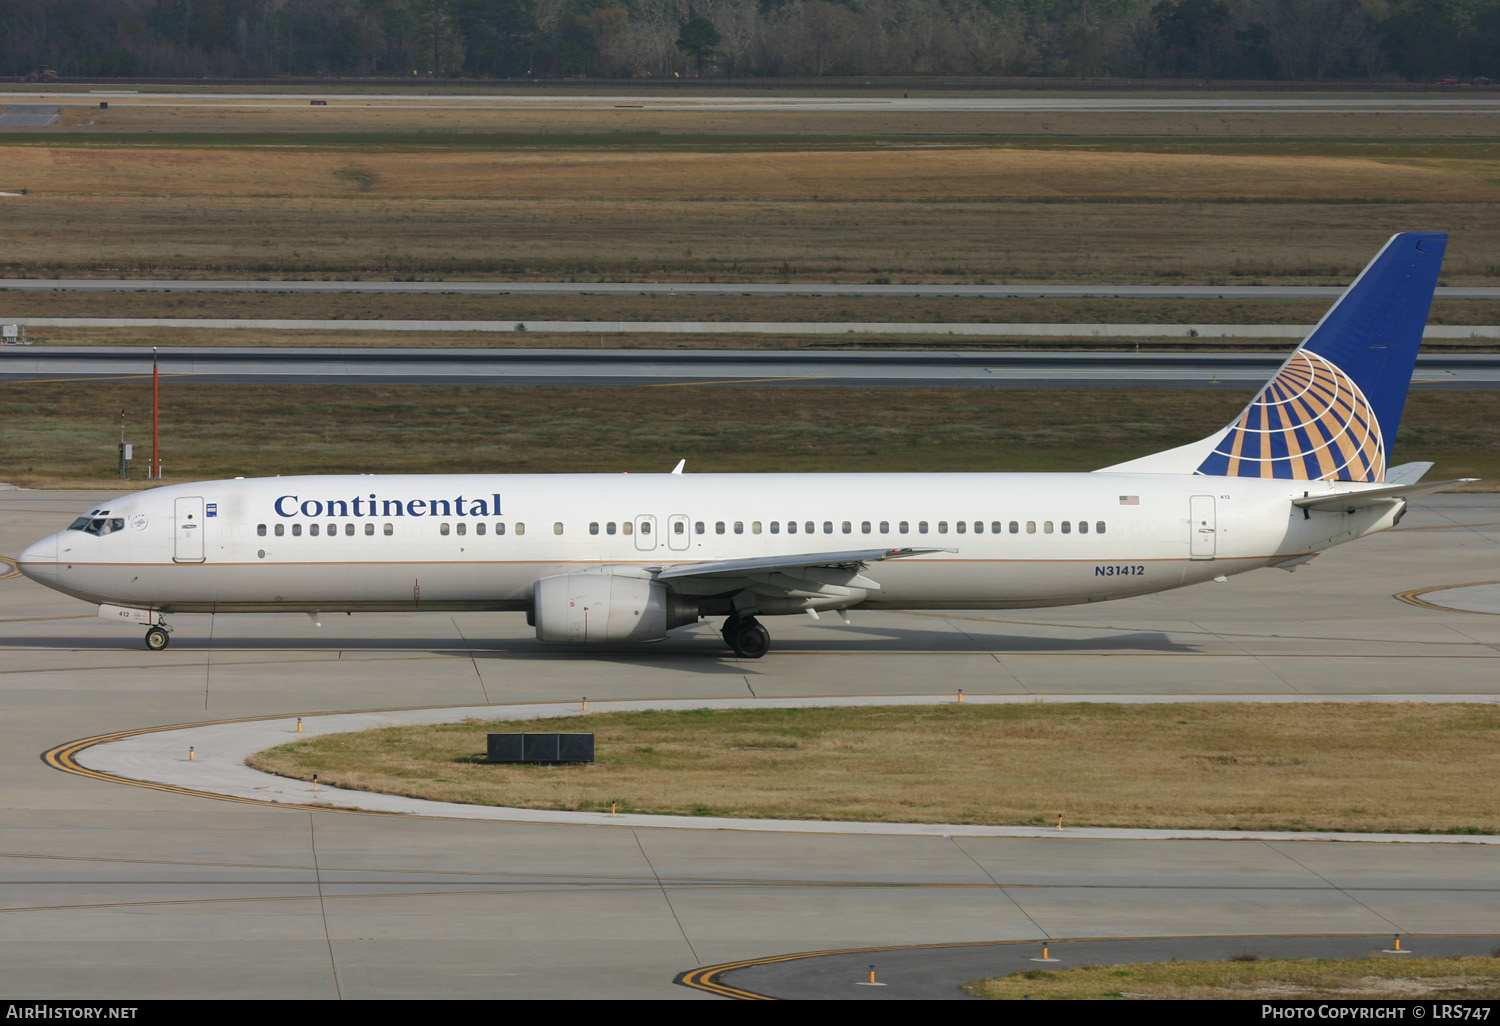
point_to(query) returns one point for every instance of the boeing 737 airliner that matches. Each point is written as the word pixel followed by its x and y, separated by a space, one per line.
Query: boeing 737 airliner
pixel 603 558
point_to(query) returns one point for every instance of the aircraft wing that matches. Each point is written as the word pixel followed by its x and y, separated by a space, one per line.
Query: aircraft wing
pixel 848 561
pixel 1348 502
pixel 802 575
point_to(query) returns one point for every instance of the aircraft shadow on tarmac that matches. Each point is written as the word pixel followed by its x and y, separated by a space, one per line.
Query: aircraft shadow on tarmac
pixel 703 646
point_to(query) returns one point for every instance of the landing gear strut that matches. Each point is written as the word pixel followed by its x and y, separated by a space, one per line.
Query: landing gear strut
pixel 746 636
pixel 157 637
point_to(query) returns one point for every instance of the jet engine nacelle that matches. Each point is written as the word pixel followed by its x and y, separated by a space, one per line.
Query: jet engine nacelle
pixel 585 608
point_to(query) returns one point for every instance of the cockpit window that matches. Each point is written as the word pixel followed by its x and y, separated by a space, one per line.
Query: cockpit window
pixel 98 525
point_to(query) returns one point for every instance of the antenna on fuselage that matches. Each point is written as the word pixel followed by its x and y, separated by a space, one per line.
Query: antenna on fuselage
pixel 680 464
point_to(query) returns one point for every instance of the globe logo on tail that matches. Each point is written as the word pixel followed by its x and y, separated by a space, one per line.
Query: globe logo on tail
pixel 1311 423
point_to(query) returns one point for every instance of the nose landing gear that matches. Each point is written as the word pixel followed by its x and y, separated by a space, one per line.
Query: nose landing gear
pixel 746 637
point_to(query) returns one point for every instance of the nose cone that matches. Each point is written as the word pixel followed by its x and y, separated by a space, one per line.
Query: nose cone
pixel 39 561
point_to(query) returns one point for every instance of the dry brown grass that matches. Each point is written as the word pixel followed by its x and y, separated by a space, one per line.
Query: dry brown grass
pixel 850 176
pixel 1226 766
pixel 943 215
pixel 1371 979
pixel 731 240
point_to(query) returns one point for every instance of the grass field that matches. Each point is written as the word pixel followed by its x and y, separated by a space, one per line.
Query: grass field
pixel 400 192
pixel 65 434
pixel 1252 979
pixel 959 214
pixel 1225 766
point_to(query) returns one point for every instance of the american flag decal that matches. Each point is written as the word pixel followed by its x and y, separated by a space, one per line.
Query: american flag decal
pixel 1130 500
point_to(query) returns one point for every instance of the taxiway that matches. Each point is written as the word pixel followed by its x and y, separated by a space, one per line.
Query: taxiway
pixel 132 892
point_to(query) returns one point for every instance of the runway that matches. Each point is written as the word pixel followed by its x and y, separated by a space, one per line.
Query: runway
pixel 126 892
pixel 853 368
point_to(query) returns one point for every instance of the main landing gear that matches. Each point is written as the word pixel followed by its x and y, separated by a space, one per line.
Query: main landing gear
pixel 746 636
pixel 157 637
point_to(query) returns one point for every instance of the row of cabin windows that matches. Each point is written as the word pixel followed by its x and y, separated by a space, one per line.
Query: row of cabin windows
pixel 867 527
pixel 679 527
pixel 314 530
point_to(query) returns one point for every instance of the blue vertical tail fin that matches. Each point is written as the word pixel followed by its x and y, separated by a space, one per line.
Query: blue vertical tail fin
pixel 1332 410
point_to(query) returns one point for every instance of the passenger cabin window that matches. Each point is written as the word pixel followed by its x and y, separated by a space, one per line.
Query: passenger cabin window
pixel 960 527
pixel 739 527
pixel 390 529
pixel 521 528
pixel 719 527
pixel 905 527
pixel 463 529
pixel 312 530
pixel 297 530
pixel 1046 527
pixel 479 528
pixel 609 528
pixel 791 527
pixel 280 530
pixel 921 527
pixel 370 530
pixel 499 529
pixel 776 527
pixel 1083 527
pixel 557 528
pixel 1099 527
pixel 594 527
pixel 885 527
pixel 260 530
pixel 442 528
pixel 699 527
pixel 848 528
pixel 1067 527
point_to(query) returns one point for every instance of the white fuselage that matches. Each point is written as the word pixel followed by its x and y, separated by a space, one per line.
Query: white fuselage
pixel 336 543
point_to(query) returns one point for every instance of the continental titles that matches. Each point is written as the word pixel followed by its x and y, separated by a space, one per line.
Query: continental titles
pixel 373 506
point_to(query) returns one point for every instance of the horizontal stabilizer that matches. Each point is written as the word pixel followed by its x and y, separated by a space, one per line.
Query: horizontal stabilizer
pixel 1407 473
pixel 1348 502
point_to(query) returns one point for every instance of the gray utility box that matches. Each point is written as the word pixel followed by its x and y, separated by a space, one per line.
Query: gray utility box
pixel 541 748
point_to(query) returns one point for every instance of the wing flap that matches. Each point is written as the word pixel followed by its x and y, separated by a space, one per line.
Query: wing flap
pixel 851 560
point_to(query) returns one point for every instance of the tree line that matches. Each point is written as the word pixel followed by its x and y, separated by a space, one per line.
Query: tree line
pixel 1412 40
